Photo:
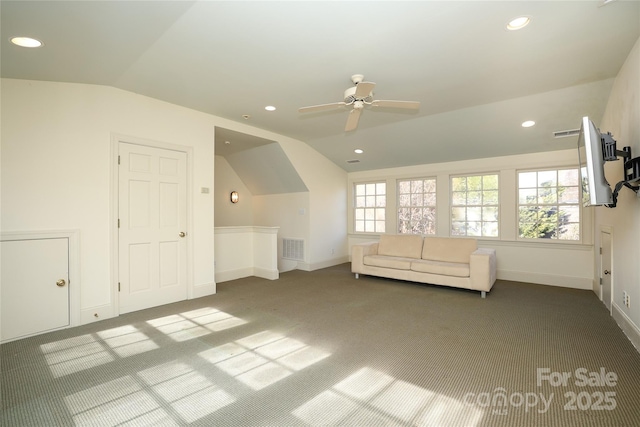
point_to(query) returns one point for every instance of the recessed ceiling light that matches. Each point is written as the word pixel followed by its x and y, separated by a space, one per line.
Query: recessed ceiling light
pixel 26 42
pixel 270 108
pixel 528 124
pixel 518 23
pixel 358 151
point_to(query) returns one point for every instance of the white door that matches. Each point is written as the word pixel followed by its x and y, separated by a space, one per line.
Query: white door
pixel 35 286
pixel 605 268
pixel 152 226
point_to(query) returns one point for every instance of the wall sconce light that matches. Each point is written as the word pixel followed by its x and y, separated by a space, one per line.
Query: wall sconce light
pixel 234 197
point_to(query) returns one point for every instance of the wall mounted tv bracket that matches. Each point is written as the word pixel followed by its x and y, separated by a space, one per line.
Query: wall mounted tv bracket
pixel 631 166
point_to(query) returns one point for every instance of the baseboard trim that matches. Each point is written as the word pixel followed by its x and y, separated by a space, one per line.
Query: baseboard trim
pixel 629 328
pixel 546 279
pixel 225 276
pixel 327 263
pixel 203 290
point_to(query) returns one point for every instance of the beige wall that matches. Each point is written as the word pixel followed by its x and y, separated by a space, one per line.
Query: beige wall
pixel 58 163
pixel 226 181
pixel 622 119
pixel 551 263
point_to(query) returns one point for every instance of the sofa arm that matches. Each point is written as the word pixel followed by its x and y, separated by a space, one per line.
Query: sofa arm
pixel 358 252
pixel 482 269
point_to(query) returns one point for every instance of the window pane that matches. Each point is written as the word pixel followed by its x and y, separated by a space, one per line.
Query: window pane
pixel 568 177
pixel 490 214
pixel 458 198
pixel 369 227
pixel 404 200
pixel 490 229
pixel 369 214
pixel 381 201
pixel 474 228
pixel 416 199
pixel 379 214
pixel 370 201
pixel 404 214
pixel 459 184
pixel 568 195
pixel 547 179
pixel 527 180
pixel 370 189
pixel 490 182
pixel 360 201
pixel 430 186
pixel 474 183
pixel 381 188
pixel 458 228
pixel 380 226
pixel 360 189
pixel 547 195
pixel 429 199
pixel 490 197
pixel 474 214
pixel 359 225
pixel 458 214
pixel 527 196
pixel 416 186
pixel 404 186
pixel 551 210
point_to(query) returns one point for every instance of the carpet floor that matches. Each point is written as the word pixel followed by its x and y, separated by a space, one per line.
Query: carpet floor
pixel 324 349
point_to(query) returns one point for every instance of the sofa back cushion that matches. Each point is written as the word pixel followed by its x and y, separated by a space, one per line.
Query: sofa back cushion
pixel 405 245
pixel 449 249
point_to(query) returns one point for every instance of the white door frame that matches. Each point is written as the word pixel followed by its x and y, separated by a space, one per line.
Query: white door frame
pixel 608 230
pixel 73 237
pixel 116 139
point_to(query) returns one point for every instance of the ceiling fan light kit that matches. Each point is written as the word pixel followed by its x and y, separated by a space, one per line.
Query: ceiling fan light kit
pixel 358 97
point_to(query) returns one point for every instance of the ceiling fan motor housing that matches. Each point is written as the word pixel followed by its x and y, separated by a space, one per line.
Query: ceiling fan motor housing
pixel 350 96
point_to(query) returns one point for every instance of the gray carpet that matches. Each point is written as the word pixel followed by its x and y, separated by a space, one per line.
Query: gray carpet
pixel 322 348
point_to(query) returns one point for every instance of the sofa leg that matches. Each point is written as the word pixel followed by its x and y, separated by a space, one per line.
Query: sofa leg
pixel 483 294
pixel 357 276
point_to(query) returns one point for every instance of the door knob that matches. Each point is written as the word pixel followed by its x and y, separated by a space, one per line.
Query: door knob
pixel 607 272
pixel 61 282
pixel 182 234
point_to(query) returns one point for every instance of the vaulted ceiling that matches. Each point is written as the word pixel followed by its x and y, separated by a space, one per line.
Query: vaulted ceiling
pixel 476 80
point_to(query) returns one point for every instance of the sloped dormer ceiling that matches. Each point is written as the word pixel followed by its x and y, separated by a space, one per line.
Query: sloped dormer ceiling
pixel 260 163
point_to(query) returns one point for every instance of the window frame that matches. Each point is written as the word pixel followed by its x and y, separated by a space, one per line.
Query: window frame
pixel 376 208
pixel 577 204
pixel 422 206
pixel 496 206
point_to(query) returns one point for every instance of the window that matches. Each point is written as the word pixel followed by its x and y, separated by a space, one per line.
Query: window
pixel 417 206
pixel 548 204
pixel 474 205
pixel 371 202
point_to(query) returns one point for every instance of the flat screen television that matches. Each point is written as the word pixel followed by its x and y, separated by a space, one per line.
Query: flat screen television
pixel 596 190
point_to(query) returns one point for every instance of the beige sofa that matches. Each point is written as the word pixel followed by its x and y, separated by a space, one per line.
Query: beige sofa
pixel 447 261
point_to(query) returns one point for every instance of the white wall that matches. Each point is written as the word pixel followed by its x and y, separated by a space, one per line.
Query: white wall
pixel 226 181
pixel 551 263
pixel 290 212
pixel 57 164
pixel 622 119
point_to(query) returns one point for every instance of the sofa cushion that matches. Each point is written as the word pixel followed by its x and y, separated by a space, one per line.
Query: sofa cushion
pixel 397 263
pixel 407 246
pixel 457 269
pixel 448 249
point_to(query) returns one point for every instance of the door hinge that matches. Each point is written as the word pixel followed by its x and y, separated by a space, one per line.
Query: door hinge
pixel 601 280
pixel 119 286
pixel 118 222
pixel 600 251
pixel 118 159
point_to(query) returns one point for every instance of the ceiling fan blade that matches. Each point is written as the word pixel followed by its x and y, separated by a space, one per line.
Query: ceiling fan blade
pixel 352 120
pixel 411 105
pixel 364 89
pixel 322 107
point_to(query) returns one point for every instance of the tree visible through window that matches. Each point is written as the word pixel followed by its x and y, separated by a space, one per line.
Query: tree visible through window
pixel 548 204
pixel 417 206
pixel 371 202
pixel 474 205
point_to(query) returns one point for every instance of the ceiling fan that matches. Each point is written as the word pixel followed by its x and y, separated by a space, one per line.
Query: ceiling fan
pixel 358 97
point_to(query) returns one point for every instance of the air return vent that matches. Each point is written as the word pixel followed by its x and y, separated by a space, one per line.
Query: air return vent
pixel 565 133
pixel 293 249
pixel 353 161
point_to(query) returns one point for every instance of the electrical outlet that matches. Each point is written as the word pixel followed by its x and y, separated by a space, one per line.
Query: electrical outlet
pixel 626 300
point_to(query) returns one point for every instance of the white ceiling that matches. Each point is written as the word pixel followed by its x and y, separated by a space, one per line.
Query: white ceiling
pixel 475 80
